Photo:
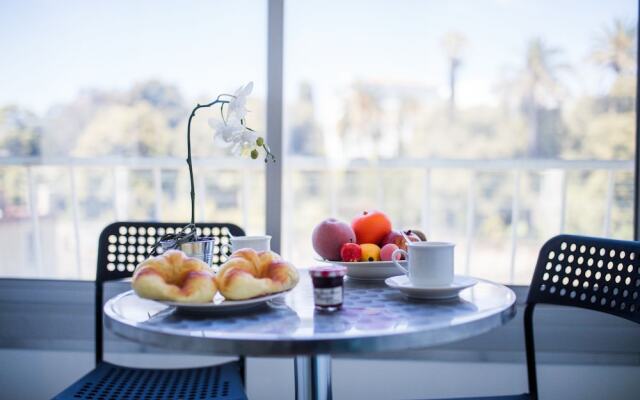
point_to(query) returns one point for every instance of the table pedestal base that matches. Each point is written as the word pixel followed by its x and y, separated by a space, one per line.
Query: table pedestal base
pixel 313 377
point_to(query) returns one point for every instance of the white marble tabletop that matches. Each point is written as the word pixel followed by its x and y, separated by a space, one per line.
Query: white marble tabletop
pixel 374 318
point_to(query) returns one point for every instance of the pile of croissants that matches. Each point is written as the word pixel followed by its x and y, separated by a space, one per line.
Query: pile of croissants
pixel 173 276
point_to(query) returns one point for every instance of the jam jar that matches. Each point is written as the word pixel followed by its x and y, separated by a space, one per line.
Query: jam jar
pixel 328 286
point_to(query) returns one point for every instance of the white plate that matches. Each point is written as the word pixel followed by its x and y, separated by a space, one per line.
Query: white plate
pixel 222 305
pixel 371 270
pixel 403 284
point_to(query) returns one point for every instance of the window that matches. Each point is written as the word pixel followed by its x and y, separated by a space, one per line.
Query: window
pixel 492 124
pixel 93 110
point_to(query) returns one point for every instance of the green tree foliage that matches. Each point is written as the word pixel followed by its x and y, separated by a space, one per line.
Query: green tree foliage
pixel 453 44
pixel 20 132
pixel 616 48
pixel 538 86
pixel 127 130
pixel 144 122
pixel 604 128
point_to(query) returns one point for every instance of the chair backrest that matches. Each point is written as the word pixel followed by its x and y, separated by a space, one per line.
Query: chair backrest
pixel 587 272
pixel 122 245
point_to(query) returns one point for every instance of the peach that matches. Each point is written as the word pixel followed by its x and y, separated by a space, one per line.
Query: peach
pixel 329 236
pixel 387 250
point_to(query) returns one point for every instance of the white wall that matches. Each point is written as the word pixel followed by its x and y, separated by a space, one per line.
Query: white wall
pixel 37 374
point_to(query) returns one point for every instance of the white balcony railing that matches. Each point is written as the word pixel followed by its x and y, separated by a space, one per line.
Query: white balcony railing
pixel 119 167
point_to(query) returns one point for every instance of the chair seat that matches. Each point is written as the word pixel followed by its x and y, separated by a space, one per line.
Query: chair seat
pixel 524 396
pixel 112 382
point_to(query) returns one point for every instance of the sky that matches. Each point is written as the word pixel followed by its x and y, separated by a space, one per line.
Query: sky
pixel 51 50
pixel 402 40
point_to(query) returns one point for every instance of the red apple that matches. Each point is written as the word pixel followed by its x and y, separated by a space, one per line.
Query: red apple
pixel 350 252
pixel 329 236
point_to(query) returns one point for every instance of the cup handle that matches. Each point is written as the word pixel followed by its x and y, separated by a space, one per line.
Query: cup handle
pixel 395 261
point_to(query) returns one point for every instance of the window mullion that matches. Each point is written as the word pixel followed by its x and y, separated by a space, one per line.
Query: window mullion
pixel 273 174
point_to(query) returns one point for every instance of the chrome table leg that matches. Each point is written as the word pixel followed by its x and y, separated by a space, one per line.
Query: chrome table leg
pixel 313 377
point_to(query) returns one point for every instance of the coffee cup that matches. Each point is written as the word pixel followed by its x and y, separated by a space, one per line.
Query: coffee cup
pixel 430 264
pixel 258 243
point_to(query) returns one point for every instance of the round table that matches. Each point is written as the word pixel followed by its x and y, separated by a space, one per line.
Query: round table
pixel 374 318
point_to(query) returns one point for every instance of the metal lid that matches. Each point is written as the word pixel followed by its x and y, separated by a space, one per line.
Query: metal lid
pixel 327 271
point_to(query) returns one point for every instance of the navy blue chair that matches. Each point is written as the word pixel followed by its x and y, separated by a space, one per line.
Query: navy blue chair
pixel 585 272
pixel 121 246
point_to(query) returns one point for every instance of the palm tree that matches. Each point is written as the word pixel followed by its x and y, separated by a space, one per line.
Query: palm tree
pixel 539 86
pixel 616 48
pixel 453 44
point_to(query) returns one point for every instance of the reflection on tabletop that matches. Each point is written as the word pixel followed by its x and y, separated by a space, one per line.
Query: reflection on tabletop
pixel 369 308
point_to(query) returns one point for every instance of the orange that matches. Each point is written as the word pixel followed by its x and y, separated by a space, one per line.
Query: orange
pixel 371 227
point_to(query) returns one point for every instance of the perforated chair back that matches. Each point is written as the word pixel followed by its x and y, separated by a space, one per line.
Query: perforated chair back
pixel 122 245
pixel 598 274
pixel 586 272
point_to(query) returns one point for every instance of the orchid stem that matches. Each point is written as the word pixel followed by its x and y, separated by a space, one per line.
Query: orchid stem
pixel 193 114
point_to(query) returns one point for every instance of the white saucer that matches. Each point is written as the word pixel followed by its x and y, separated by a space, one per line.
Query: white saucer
pixel 403 284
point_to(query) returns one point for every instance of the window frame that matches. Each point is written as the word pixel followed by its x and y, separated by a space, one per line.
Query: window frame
pixel 57 297
pixel 275 132
pixel 274 172
pixel 636 199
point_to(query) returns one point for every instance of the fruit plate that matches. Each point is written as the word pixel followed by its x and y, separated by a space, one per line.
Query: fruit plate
pixel 371 270
pixel 220 305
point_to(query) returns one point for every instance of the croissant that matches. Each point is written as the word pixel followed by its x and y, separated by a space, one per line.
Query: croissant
pixel 247 274
pixel 175 277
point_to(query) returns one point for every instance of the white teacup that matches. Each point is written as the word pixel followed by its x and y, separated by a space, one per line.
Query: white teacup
pixel 258 243
pixel 430 263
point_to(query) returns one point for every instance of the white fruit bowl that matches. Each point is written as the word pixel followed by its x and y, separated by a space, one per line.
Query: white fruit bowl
pixel 371 270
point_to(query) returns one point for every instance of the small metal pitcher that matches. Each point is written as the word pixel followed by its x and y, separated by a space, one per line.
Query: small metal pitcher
pixel 201 249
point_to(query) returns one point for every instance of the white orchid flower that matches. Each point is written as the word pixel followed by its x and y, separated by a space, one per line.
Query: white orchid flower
pixel 238 105
pixel 225 132
pixel 244 143
pixel 232 134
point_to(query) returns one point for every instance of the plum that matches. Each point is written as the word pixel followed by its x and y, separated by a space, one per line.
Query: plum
pixel 397 238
